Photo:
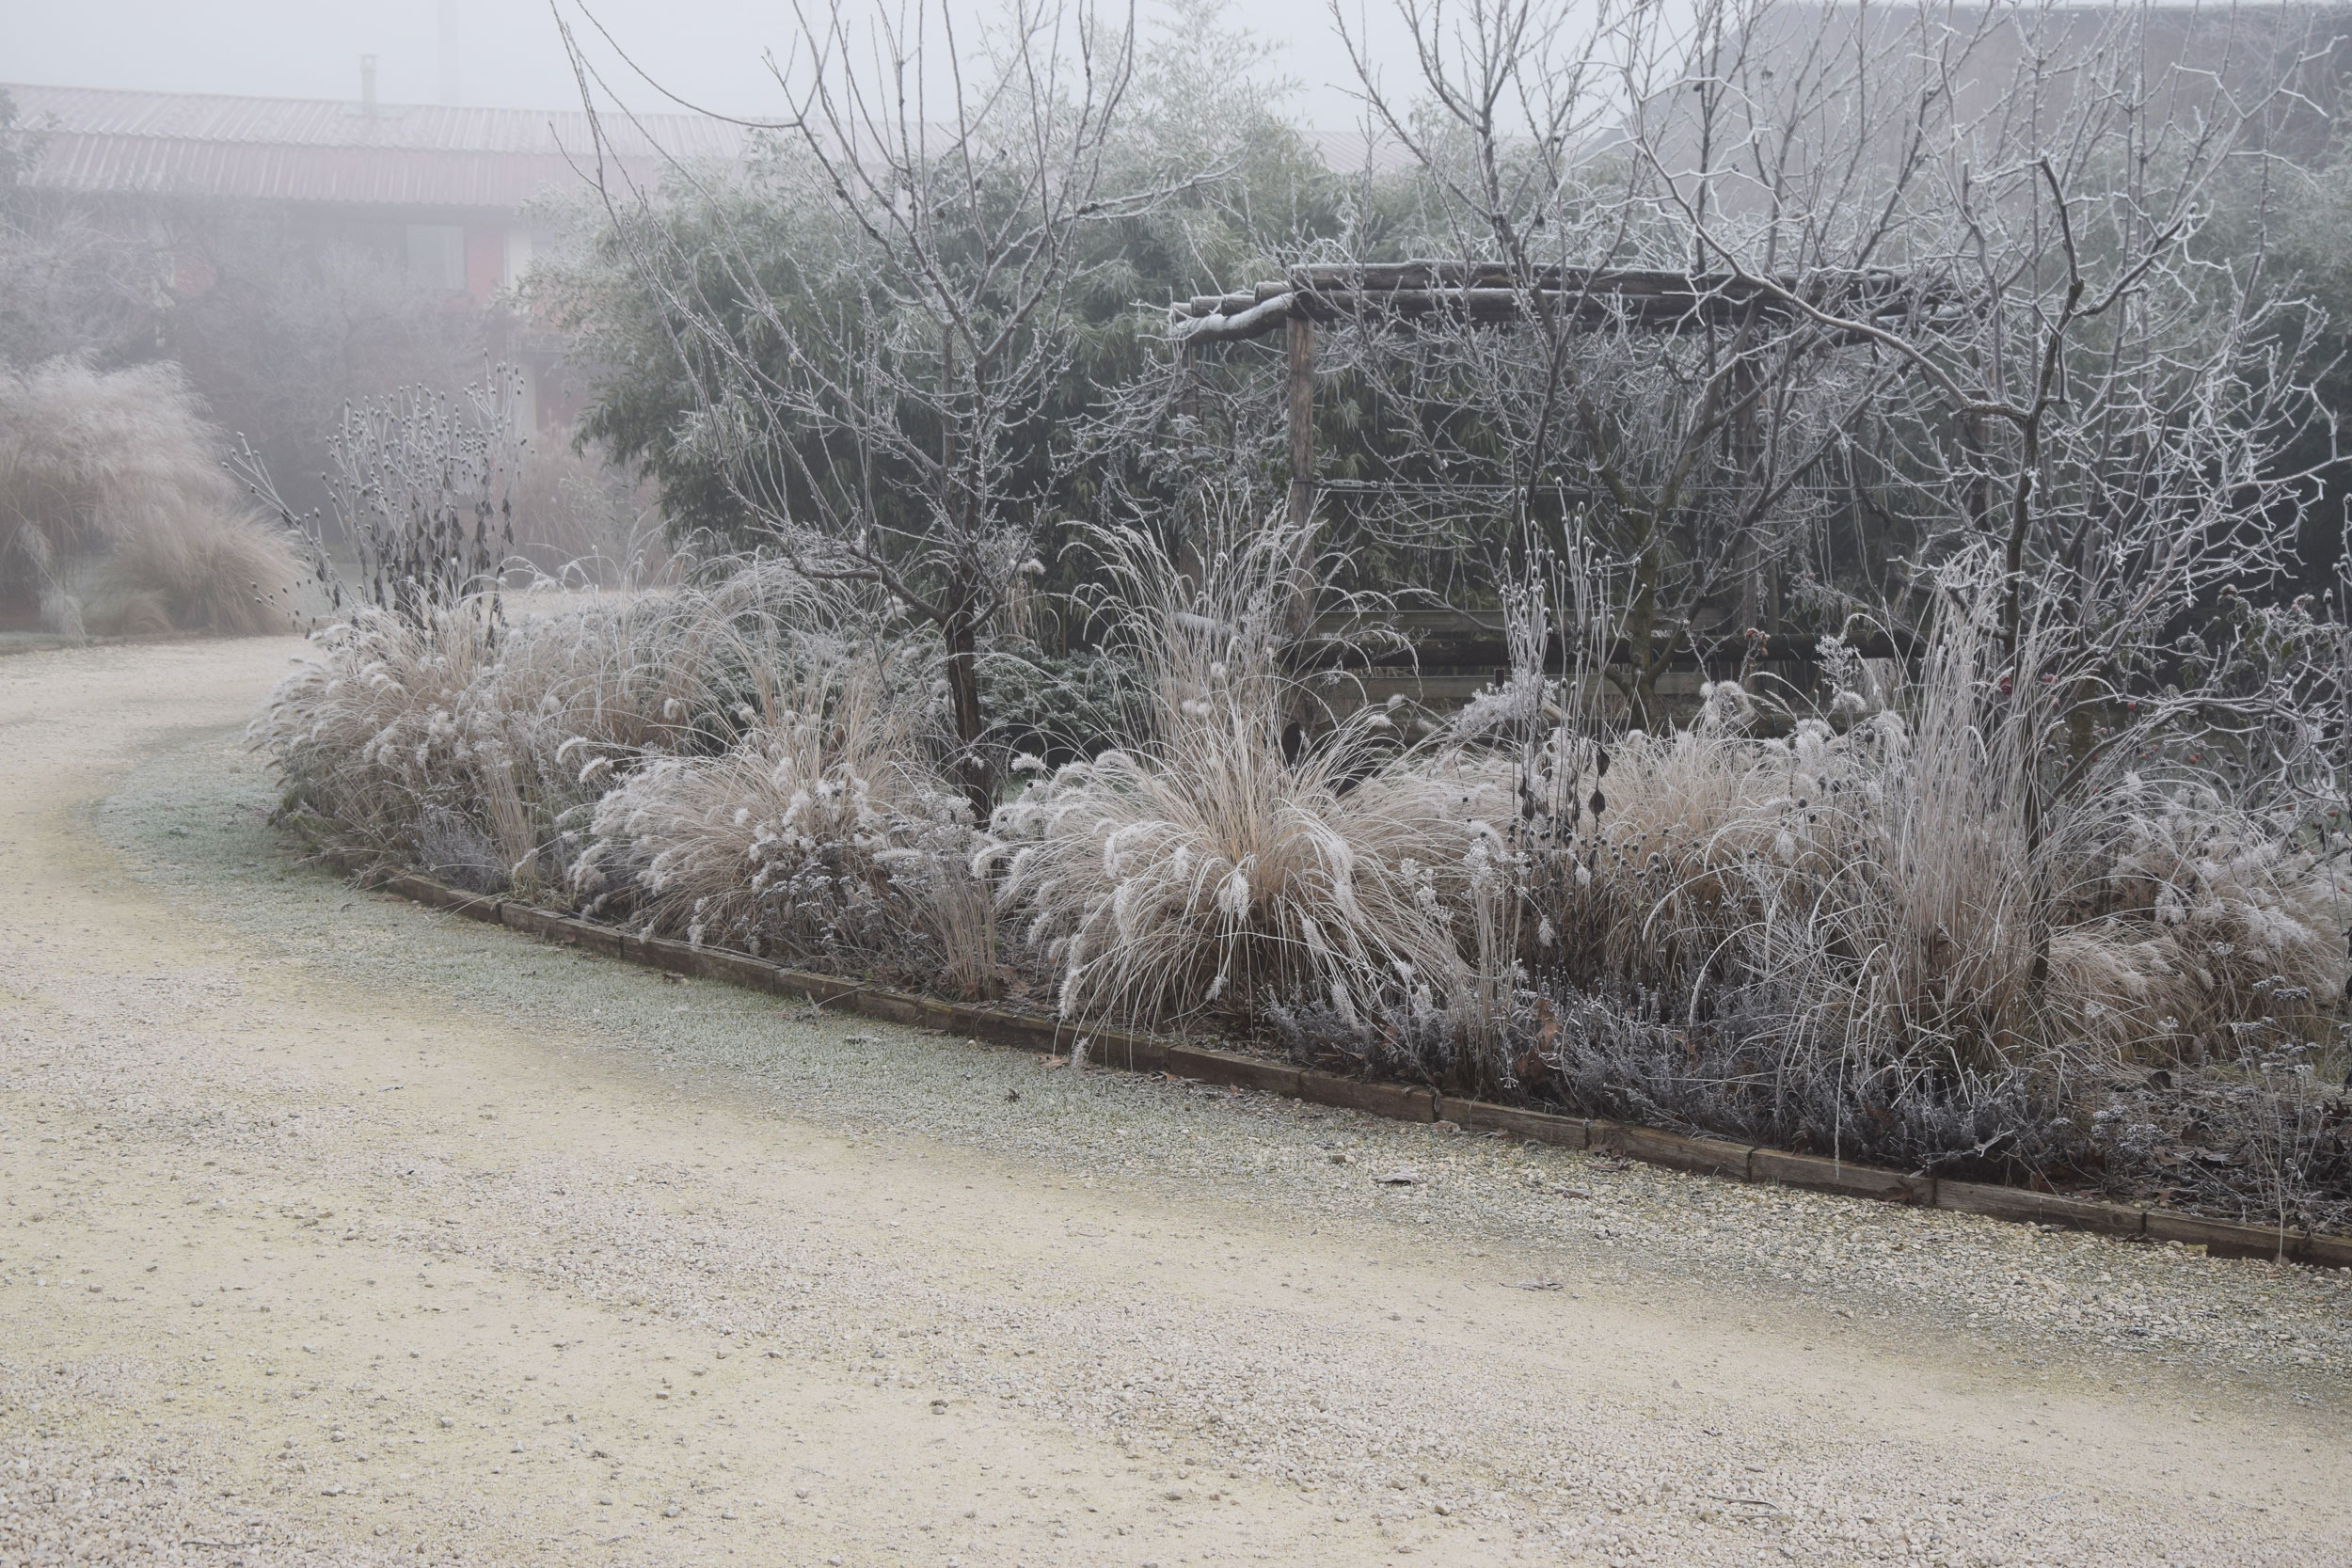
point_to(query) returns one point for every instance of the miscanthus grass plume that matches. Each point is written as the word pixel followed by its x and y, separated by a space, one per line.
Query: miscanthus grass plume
pixel 1236 852
pixel 747 759
pixel 116 516
pixel 1868 934
pixel 824 831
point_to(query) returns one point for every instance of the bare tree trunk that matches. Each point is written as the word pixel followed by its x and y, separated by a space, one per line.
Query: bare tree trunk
pixel 1747 459
pixel 963 696
pixel 955 221
pixel 1643 663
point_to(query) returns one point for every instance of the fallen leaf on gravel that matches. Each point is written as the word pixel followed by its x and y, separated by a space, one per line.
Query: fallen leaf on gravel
pixel 1396 1178
pixel 1533 1284
pixel 1570 1192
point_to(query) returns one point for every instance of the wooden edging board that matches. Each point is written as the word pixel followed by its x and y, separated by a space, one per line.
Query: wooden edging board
pixel 1397 1102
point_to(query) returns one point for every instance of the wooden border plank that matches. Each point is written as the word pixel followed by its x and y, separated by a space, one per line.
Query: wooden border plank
pixel 1820 1174
pixel 1699 1156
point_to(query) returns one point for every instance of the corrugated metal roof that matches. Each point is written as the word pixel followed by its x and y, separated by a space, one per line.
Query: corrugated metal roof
pixel 104 141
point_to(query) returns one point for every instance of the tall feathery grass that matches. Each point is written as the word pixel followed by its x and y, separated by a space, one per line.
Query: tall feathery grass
pixel 1870 936
pixel 750 759
pixel 116 515
pixel 1893 866
pixel 1864 935
pixel 826 831
pixel 486 724
pixel 1222 859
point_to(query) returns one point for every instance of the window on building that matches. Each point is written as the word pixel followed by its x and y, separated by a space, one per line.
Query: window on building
pixel 437 256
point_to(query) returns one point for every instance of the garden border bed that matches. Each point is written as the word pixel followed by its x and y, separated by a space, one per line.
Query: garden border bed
pixel 1397 1102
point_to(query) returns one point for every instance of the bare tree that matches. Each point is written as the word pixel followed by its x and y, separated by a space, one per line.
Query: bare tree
pixel 1767 272
pixel 1943 266
pixel 2110 406
pixel 1574 164
pixel 875 410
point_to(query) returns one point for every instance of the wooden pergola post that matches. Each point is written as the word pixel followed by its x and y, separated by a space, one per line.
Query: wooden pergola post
pixel 1302 418
pixel 1188 561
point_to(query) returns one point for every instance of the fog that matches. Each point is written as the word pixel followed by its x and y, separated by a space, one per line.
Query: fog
pixel 508 54
pixel 1758 588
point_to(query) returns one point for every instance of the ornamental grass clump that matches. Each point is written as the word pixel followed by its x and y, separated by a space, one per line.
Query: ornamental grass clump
pixel 1894 870
pixel 116 515
pixel 825 832
pixel 750 759
pixel 469 740
pixel 1212 864
pixel 377 745
pixel 1888 939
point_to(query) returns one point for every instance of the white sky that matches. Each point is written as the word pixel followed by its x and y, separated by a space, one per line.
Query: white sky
pixel 704 50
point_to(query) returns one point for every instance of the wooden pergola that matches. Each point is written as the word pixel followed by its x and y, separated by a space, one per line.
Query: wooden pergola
pixel 1585 299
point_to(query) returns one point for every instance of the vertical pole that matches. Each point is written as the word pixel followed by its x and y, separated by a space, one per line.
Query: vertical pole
pixel 1748 462
pixel 1302 419
pixel 1302 493
pixel 1189 562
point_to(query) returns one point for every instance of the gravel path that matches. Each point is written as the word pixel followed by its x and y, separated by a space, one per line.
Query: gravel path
pixel 341 1231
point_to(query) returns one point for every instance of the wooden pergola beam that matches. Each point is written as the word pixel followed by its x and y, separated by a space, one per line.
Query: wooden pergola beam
pixel 1586 299
pixel 1589 297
